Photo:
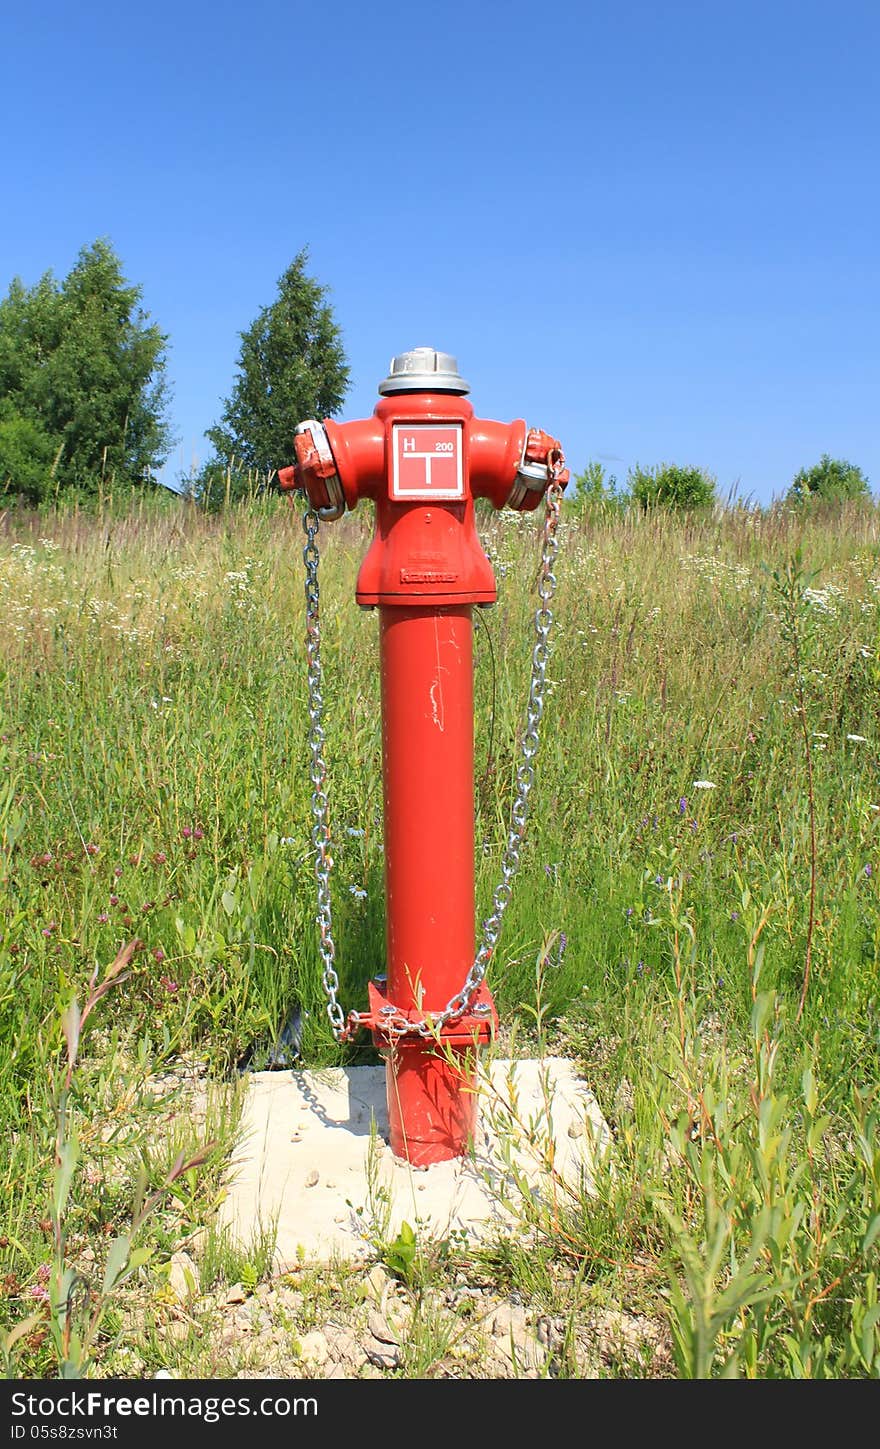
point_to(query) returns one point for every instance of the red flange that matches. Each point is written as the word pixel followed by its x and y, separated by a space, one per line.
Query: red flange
pixel 431 1082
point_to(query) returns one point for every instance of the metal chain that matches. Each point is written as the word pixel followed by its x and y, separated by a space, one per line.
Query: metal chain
pixel 318 775
pixel 394 1023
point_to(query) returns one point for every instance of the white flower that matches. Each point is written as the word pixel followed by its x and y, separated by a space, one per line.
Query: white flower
pixel 703 785
pixel 857 739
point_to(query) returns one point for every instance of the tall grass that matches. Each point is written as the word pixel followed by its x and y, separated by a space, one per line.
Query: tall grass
pixel 155 787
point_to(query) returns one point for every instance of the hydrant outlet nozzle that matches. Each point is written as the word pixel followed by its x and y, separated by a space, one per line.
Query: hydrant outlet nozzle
pixel 314 471
pixel 541 460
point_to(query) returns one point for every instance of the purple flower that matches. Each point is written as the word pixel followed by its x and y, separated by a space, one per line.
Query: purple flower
pixel 869 870
pixel 682 806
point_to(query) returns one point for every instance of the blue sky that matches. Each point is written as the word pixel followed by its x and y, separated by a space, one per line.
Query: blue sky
pixel 652 229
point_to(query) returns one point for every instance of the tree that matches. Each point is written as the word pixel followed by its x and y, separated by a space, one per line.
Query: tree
pixel 831 480
pixel 682 489
pixel 291 366
pixel 595 490
pixel 82 382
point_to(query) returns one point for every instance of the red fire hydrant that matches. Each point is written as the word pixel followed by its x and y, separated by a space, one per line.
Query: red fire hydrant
pixel 423 457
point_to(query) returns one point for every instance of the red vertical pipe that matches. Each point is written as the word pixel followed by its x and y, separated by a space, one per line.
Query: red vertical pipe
pixel 426 660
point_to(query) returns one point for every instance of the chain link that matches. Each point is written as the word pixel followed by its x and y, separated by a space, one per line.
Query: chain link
pixel 396 1024
pixel 318 776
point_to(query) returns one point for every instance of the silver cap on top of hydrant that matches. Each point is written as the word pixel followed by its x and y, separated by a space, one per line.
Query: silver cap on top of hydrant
pixel 424 369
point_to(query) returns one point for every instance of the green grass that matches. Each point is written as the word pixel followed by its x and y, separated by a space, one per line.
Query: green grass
pixel 154 786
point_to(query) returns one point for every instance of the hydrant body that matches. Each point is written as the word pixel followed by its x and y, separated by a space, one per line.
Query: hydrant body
pixel 423 457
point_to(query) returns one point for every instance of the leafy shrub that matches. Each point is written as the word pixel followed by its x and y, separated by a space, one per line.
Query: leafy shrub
pixel 595 489
pixel 28 457
pixel 670 486
pixel 831 480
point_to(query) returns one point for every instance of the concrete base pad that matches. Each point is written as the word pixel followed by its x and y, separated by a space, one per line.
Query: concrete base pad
pixel 314 1163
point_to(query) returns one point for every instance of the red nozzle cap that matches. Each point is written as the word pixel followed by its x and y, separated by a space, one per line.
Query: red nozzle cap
pixel 541 448
pixel 287 479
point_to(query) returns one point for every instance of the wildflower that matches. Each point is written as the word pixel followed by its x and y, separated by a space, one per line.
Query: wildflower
pixel 198 834
pixel 857 739
pixel 869 870
pixel 158 954
pixel 103 918
pixel 358 893
pixel 114 900
pixel 170 986
pixel 186 832
pixel 355 834
pixel 118 871
pixel 682 806
pixel 159 857
pixel 734 915
pixel 38 1291
pixel 694 826
pixel 52 926
pixel 703 785
pixel 628 912
pixel 91 849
